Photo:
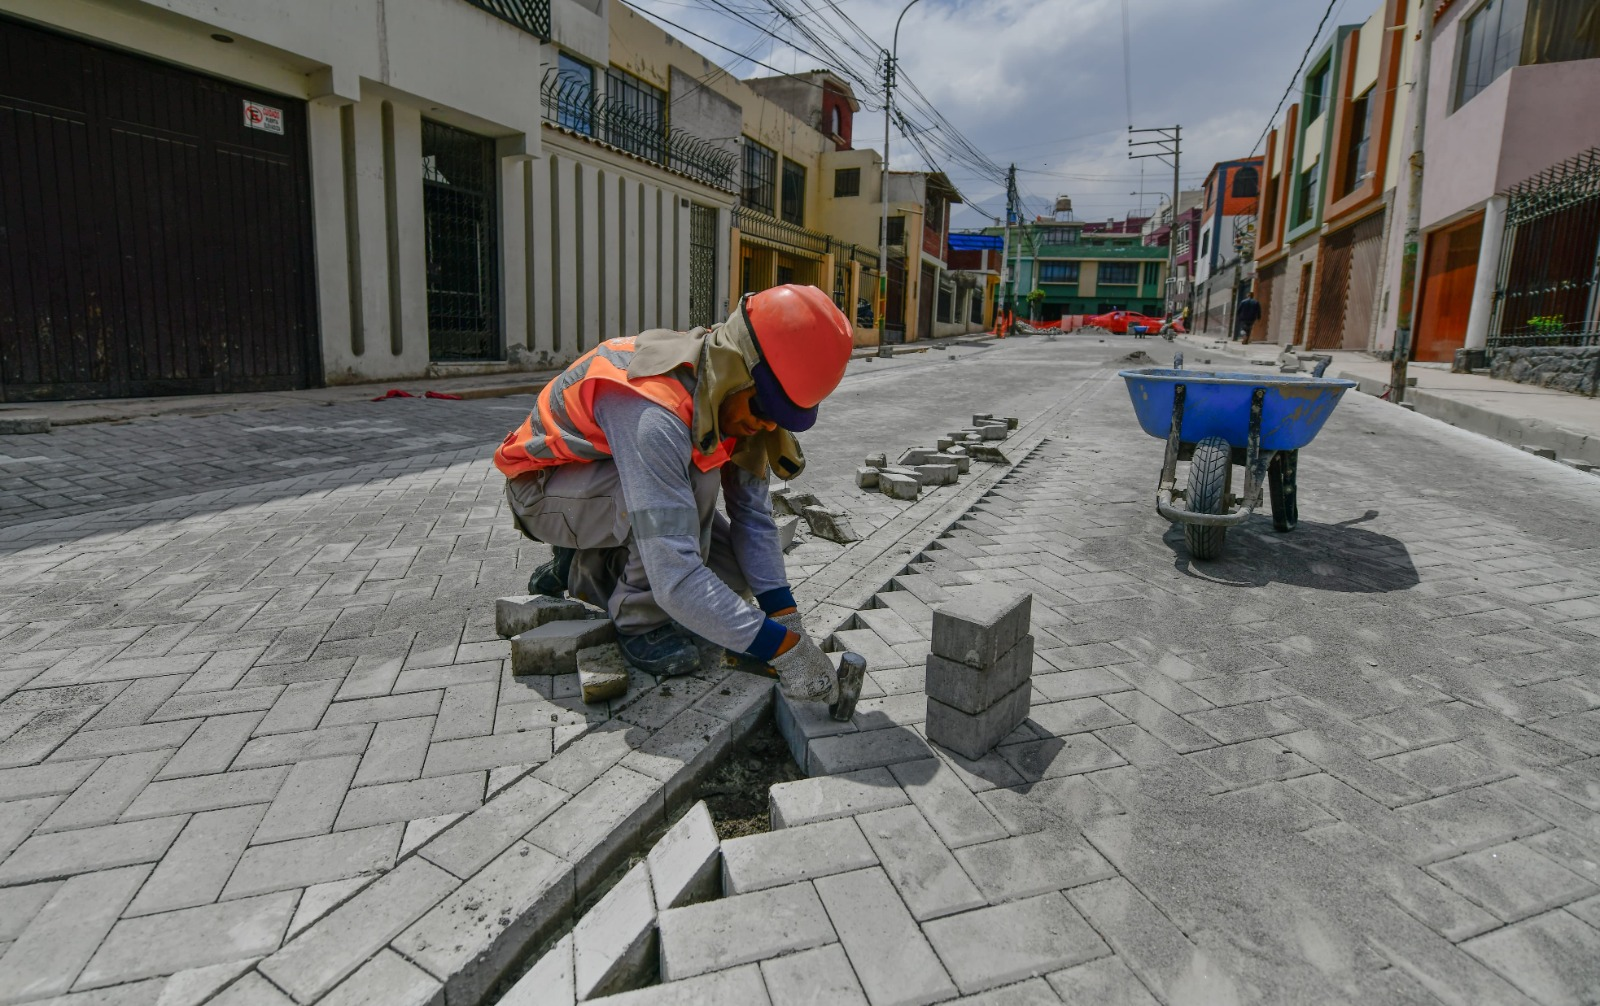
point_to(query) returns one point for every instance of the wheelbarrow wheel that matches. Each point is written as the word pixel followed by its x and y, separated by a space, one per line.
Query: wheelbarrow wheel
pixel 1281 485
pixel 1209 473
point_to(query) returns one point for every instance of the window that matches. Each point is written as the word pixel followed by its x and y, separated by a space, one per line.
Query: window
pixel 1505 33
pixel 577 79
pixel 1246 182
pixel 1119 273
pixel 644 131
pixel 897 230
pixel 1058 272
pixel 835 122
pixel 946 296
pixel 1205 242
pixel 1491 38
pixel 975 306
pixel 760 167
pixel 1305 199
pixel 1059 236
pixel 1355 155
pixel 847 182
pixel 794 192
pixel 1152 273
pixel 1316 87
pixel 1183 240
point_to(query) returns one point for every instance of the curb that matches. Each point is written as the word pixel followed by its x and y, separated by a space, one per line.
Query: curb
pixel 1476 419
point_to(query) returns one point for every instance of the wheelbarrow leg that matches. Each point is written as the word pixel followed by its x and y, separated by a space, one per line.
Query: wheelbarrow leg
pixel 1281 482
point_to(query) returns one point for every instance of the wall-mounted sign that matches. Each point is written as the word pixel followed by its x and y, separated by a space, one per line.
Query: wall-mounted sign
pixel 263 117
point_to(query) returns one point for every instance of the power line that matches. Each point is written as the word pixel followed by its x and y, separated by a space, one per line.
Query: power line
pixel 711 41
pixel 1296 76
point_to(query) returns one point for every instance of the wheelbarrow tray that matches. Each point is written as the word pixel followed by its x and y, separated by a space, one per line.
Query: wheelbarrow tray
pixel 1218 405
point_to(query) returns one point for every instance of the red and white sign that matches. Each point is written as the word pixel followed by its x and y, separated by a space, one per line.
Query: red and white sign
pixel 263 117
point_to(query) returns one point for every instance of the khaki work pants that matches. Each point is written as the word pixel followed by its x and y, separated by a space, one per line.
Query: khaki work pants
pixel 579 506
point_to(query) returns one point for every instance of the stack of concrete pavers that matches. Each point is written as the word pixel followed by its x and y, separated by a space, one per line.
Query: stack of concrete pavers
pixel 980 668
pixel 556 635
pixel 941 465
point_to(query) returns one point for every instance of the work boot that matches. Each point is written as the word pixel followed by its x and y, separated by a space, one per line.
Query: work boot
pixel 551 578
pixel 664 651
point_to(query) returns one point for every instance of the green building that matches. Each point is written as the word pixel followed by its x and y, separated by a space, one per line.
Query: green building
pixel 1084 271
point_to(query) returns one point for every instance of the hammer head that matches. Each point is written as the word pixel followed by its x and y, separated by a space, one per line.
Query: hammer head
pixel 852 672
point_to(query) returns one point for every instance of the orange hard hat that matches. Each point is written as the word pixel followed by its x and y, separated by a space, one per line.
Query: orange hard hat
pixel 804 341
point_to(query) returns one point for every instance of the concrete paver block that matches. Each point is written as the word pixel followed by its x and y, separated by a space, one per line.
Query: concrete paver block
pixel 602 673
pixel 987 453
pixel 938 475
pixel 864 749
pixel 830 524
pixel 516 615
pixel 804 801
pixel 876 460
pixel 596 827
pixel 962 461
pixel 44 857
pixel 741 929
pixel 1512 881
pixel 813 977
pixel 334 946
pixel 387 980
pixel 1032 864
pixel 787 528
pixel 471 936
pixel 1102 980
pixel 684 862
pixel 742 985
pixel 900 487
pixel 473 843
pixel 320 859
pixel 970 690
pixel 959 817
pixel 786 501
pixel 929 879
pixel 190 938
pixel 914 456
pixel 1006 943
pixel 979 624
pixel 613 942
pixel 993 431
pixel 974 735
pixel 756 862
pixel 553 648
pixel 550 982
pixel 54 947
pixel 867 477
pixel 1550 956
pixel 890 955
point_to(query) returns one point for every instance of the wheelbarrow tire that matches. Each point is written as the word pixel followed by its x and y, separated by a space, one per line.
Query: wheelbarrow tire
pixel 1281 478
pixel 1209 472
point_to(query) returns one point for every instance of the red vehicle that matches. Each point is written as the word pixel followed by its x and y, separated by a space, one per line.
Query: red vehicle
pixel 1123 322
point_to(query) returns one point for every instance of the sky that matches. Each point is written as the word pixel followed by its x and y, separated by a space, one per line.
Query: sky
pixel 1042 83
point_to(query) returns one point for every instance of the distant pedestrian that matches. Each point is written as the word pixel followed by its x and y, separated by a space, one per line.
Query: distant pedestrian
pixel 1186 317
pixel 1248 314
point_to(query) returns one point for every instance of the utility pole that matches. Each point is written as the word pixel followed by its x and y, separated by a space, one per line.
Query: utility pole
pixel 1408 260
pixel 1168 142
pixel 1006 275
pixel 889 59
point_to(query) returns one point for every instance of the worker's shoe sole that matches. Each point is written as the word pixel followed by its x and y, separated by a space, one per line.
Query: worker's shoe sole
pixel 852 671
pixel 550 579
pixel 665 651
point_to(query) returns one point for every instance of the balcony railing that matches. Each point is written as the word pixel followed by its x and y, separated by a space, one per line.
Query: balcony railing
pixel 532 16
pixel 1546 292
pixel 573 105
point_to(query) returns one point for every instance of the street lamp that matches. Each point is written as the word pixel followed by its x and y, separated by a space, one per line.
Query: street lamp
pixel 883 230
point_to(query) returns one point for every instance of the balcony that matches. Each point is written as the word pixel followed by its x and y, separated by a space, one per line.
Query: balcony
pixel 532 16
pixel 572 105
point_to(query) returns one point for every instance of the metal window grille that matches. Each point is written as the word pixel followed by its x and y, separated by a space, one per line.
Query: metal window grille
pixel 702 264
pixel 1119 273
pixel 1546 293
pixel 794 192
pixel 460 244
pixel 847 182
pixel 570 102
pixel 648 107
pixel 760 167
pixel 1058 272
pixel 532 16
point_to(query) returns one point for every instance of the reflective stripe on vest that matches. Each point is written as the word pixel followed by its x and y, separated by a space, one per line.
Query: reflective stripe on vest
pixel 562 428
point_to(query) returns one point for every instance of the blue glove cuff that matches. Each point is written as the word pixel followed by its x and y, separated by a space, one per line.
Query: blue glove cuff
pixel 768 640
pixel 776 599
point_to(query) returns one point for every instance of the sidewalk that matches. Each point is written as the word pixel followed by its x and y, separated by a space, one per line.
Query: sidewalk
pixel 1518 414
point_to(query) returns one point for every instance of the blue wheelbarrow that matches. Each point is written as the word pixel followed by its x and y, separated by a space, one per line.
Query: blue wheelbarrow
pixel 1216 421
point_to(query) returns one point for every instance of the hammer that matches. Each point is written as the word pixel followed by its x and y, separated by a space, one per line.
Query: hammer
pixel 852 671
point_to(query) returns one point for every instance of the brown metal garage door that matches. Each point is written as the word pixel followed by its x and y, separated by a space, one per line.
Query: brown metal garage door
pixel 151 241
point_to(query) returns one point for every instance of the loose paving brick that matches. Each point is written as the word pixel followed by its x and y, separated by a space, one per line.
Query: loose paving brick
pixel 684 862
pixel 742 929
pixel 612 942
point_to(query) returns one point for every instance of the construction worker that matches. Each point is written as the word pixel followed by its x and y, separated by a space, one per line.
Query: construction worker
pixel 618 468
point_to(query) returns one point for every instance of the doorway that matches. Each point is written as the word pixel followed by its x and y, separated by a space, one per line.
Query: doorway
pixel 1449 270
pixel 461 248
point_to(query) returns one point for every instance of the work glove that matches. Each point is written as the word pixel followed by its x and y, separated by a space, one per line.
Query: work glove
pixel 791 621
pixel 805 673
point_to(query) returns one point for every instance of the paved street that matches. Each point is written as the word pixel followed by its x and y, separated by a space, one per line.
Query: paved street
pixel 1356 763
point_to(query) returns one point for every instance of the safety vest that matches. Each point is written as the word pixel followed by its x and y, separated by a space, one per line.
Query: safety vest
pixel 566 431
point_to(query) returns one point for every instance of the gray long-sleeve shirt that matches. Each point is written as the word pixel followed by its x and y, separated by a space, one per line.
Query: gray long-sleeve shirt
pixel 652 450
